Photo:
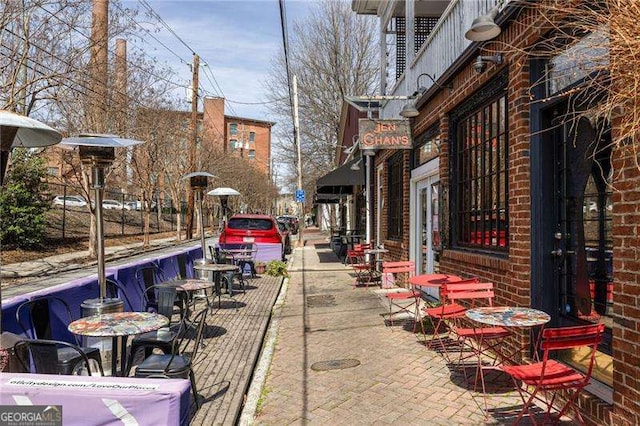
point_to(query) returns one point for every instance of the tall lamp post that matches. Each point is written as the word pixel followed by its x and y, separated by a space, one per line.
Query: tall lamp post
pixel 98 152
pixel 19 131
pixel 198 182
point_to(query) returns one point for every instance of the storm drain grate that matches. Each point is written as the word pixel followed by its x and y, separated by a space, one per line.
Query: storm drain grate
pixel 320 300
pixel 336 364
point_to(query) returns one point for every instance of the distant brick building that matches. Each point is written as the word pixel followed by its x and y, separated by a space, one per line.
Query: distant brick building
pixel 243 137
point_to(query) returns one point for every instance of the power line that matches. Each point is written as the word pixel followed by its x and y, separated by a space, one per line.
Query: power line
pixel 111 51
pixel 285 44
pixel 256 103
pixel 124 12
pixel 164 24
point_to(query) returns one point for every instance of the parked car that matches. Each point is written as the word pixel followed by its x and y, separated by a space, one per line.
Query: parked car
pixel 69 201
pixel 285 230
pixel 293 222
pixel 252 228
pixel 131 205
pixel 112 205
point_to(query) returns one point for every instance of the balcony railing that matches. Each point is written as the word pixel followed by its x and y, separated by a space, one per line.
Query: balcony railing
pixel 443 46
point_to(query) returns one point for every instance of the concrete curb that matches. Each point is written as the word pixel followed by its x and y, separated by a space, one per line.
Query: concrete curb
pixel 247 417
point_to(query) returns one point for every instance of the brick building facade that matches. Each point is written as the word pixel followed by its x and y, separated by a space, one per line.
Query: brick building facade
pixel 243 137
pixel 517 194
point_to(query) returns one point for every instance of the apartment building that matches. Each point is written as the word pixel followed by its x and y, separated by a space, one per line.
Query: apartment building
pixel 243 137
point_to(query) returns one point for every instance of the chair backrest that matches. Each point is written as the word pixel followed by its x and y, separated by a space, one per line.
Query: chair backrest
pixel 560 338
pixel 147 276
pixel 42 354
pixel 474 293
pixel 190 336
pixel 40 317
pixel 222 256
pixel 354 256
pixel 399 267
pixel 406 268
pixel 117 291
pixel 182 269
pixel 161 298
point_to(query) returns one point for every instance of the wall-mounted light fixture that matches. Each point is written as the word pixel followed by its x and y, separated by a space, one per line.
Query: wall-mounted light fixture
pixel 356 165
pixel 484 28
pixel 409 110
pixel 481 62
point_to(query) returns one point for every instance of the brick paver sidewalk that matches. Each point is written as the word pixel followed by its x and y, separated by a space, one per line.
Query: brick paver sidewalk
pixel 398 380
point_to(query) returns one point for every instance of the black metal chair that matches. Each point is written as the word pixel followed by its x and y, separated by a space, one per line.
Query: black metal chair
pixel 48 357
pixel 35 319
pixel 148 276
pixel 223 256
pixel 165 296
pixel 183 271
pixel 179 363
pixel 116 291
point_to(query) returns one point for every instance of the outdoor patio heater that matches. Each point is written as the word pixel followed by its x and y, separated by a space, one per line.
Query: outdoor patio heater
pixel 198 182
pixel 98 152
pixel 19 131
pixel 224 194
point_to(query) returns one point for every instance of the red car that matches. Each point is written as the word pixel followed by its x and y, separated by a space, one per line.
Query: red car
pixel 252 228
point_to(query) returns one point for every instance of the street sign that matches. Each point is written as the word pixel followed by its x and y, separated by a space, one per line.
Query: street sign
pixel 300 195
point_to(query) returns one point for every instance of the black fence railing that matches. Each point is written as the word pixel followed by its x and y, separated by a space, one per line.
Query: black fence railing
pixel 122 213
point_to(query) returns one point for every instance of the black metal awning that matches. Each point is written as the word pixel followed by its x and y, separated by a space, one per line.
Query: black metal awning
pixel 341 180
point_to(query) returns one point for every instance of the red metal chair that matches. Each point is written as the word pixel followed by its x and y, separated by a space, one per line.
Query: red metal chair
pixel 484 341
pixel 552 376
pixel 407 269
pixel 443 314
pixel 365 271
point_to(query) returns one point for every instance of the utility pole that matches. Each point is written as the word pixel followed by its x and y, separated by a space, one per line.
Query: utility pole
pixel 195 66
pixel 296 134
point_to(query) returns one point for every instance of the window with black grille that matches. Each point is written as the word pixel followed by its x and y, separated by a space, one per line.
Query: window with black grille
pixel 395 196
pixel 481 174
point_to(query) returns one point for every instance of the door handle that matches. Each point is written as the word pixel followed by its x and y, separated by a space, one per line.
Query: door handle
pixel 557 252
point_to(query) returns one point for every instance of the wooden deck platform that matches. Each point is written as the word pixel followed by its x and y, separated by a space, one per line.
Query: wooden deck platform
pixel 233 340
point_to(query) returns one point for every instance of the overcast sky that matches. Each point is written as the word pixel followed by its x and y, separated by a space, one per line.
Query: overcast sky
pixel 236 38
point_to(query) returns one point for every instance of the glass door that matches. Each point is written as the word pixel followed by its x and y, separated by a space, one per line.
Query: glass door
pixel 581 222
pixel 427 226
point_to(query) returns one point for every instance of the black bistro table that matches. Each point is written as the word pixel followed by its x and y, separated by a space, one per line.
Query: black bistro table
pixel 218 269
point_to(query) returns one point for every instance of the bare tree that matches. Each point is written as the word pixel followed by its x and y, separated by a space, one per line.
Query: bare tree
pixel 591 51
pixel 334 54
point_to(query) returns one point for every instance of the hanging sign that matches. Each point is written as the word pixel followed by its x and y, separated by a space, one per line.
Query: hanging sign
pixel 384 134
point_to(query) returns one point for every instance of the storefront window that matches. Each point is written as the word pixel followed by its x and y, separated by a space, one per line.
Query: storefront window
pixel 481 174
pixel 395 195
pixel 427 147
pixel 587 56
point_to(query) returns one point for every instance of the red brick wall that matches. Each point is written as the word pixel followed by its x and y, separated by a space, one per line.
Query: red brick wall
pixel 398 249
pixel 511 273
pixel 626 266
pixel 213 123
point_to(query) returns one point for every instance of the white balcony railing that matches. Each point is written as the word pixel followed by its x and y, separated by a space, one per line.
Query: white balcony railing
pixel 445 44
